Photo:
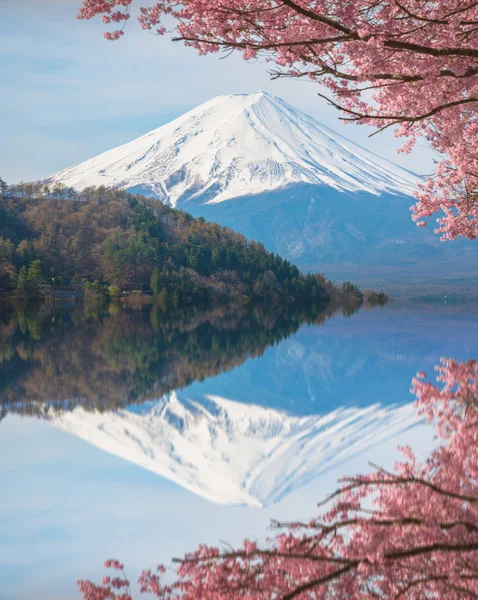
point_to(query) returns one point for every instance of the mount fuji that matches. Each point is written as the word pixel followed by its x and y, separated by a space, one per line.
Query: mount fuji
pixel 235 453
pixel 269 171
pixel 234 146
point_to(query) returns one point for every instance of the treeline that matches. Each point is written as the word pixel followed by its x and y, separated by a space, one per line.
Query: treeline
pixel 110 241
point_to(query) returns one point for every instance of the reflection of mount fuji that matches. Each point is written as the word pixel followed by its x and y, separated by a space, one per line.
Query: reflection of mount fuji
pixel 234 453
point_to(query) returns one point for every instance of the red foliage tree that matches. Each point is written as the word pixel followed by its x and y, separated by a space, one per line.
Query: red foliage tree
pixel 408 534
pixel 406 63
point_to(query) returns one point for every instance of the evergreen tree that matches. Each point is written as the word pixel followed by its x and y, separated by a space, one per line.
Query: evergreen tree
pixel 34 277
pixel 3 188
pixel 21 286
pixel 156 281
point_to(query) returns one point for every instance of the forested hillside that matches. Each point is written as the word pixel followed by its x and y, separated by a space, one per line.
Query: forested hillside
pixel 127 242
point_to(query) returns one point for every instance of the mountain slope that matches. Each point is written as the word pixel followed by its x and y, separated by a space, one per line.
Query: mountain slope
pixel 234 453
pixel 238 145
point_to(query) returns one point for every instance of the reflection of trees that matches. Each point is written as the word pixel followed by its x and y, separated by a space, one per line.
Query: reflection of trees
pixel 407 534
pixel 107 359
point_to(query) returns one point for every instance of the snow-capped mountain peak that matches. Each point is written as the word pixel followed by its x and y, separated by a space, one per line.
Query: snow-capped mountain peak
pixel 238 145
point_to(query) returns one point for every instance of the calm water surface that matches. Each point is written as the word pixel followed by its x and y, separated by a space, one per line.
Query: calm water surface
pixel 137 435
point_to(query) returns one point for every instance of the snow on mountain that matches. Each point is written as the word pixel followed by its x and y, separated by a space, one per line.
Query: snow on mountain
pixel 234 453
pixel 234 146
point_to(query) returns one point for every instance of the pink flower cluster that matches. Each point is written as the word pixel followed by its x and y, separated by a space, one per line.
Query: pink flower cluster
pixel 112 588
pixel 408 534
pixel 113 11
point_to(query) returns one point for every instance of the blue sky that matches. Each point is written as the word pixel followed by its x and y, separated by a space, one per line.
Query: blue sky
pixel 68 94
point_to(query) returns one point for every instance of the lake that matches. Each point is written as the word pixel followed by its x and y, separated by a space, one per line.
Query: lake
pixel 139 434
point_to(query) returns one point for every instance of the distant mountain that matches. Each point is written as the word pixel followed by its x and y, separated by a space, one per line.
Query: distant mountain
pixel 234 453
pixel 254 163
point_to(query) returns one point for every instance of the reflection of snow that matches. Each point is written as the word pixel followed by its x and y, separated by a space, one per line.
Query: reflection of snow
pixel 235 453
